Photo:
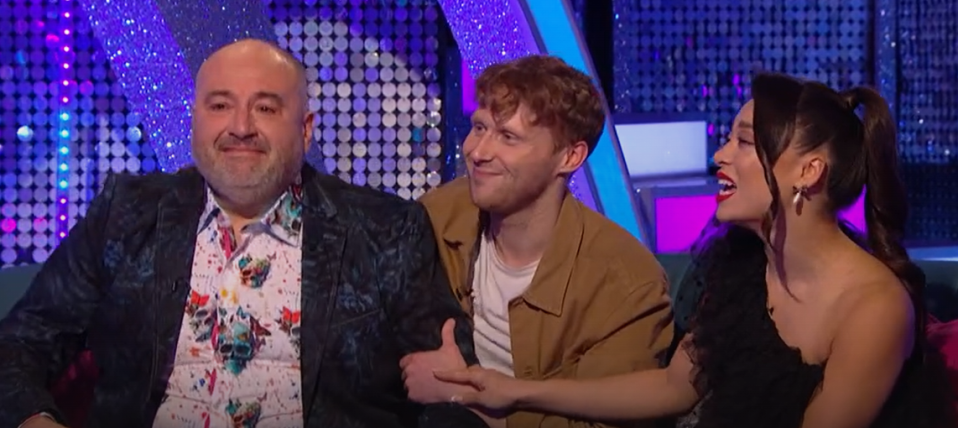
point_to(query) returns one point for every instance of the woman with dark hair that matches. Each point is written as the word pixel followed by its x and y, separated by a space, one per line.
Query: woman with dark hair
pixel 800 324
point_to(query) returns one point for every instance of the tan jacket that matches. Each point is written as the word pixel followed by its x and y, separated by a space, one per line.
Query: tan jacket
pixel 597 304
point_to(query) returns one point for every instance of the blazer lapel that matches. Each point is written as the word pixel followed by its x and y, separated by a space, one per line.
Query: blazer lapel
pixel 175 239
pixel 324 241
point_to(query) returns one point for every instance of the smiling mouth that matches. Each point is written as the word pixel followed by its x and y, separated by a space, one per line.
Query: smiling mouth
pixel 483 173
pixel 242 150
pixel 726 185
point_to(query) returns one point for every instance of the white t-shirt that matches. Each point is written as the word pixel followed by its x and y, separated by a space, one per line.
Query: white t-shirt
pixel 495 285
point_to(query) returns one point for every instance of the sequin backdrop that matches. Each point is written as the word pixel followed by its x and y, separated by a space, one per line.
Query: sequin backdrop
pixel 375 69
pixel 699 55
pixel 43 138
pixel 927 108
pixel 670 56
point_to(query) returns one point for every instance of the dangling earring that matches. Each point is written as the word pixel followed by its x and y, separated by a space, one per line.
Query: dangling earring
pixel 799 193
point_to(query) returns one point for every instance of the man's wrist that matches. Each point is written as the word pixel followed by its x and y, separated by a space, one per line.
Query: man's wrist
pixel 524 394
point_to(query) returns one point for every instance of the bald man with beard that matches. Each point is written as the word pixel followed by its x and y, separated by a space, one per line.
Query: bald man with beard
pixel 246 291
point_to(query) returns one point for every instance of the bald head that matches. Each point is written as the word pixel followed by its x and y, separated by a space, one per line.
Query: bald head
pixel 251 124
pixel 253 52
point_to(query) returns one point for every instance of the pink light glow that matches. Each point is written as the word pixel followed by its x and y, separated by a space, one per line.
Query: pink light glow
pixel 680 220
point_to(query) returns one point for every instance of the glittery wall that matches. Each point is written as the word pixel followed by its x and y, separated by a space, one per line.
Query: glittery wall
pixel 191 24
pixel 456 76
pixel 698 55
pixel 927 109
pixel 488 31
pixel 375 87
pixel 64 124
pixel 149 65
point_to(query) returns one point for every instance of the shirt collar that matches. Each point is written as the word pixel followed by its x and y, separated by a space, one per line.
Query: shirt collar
pixel 283 219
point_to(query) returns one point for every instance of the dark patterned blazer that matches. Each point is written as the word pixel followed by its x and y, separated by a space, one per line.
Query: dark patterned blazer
pixel 373 290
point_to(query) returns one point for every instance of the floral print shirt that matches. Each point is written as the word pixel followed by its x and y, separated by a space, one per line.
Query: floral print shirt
pixel 237 358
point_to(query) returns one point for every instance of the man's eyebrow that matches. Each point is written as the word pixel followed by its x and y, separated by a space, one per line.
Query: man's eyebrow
pixel 268 95
pixel 256 96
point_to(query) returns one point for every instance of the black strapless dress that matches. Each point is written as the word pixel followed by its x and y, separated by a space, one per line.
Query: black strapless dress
pixel 750 378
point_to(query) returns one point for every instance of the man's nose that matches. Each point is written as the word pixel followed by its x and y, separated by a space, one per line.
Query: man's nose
pixel 481 150
pixel 242 126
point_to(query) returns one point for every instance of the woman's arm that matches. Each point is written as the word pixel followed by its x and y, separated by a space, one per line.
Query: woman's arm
pixel 644 394
pixel 639 395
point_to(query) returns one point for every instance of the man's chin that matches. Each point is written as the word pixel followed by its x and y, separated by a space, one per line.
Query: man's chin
pixel 491 205
pixel 241 185
pixel 483 201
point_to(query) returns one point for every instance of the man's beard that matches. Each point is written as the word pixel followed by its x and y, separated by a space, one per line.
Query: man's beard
pixel 248 187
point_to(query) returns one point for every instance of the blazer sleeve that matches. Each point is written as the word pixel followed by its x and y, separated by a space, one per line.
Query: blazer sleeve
pixel 640 330
pixel 45 330
pixel 419 302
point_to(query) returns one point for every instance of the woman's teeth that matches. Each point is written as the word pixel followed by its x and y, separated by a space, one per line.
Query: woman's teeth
pixel 727 187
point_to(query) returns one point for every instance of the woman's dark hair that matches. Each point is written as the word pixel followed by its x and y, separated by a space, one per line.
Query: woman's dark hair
pixel 863 154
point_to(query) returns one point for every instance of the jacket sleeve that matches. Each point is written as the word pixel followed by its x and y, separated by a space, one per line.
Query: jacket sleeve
pixel 45 330
pixel 639 333
pixel 419 302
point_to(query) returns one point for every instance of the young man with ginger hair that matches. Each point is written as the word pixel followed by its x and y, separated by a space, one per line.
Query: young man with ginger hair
pixel 555 289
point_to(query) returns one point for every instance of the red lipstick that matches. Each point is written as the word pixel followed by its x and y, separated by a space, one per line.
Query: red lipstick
pixel 726 189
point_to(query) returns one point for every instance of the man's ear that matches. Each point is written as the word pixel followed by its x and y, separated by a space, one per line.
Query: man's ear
pixel 574 157
pixel 308 130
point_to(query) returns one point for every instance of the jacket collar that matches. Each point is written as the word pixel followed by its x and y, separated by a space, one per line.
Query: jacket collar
pixel 551 280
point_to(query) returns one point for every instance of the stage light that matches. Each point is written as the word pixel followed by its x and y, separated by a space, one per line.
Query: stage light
pixel 64 25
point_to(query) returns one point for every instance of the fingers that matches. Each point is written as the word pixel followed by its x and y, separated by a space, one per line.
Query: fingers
pixel 449 333
pixel 457 376
pixel 465 398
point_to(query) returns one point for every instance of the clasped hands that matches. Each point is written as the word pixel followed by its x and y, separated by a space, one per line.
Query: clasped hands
pixel 441 376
